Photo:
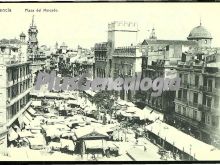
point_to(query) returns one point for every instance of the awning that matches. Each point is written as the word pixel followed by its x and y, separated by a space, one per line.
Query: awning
pixel 25 134
pixel 27 115
pixel 55 145
pixel 20 120
pixel 36 103
pixel 91 93
pixel 67 143
pixel 25 120
pixel 152 114
pixel 93 144
pixel 75 102
pixel 12 135
pixel 32 111
pixel 194 147
pixel 37 140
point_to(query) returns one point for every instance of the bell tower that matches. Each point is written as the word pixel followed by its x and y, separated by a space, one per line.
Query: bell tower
pixel 32 40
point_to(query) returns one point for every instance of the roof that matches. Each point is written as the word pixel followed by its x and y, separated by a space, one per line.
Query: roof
pixel 189 145
pixel 168 42
pixel 199 32
pixel 90 132
pixel 10 41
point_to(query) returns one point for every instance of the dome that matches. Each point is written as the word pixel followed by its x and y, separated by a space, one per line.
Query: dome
pixel 199 32
pixel 22 35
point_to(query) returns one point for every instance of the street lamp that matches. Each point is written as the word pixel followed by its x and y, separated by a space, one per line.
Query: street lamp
pixel 190 148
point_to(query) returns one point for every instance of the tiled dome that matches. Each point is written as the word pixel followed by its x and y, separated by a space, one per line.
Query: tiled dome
pixel 199 32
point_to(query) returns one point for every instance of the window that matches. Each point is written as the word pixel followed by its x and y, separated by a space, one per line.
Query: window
pixel 195 98
pixel 180 94
pixel 209 85
pixel 206 41
pixel 178 109
pixel 215 121
pixel 185 78
pixel 208 119
pixel 194 114
pixel 184 94
pixel 216 101
pixel 184 111
pixel 196 80
pixel 209 101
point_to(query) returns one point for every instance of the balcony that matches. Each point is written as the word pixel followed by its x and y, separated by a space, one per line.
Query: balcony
pixel 193 104
pixel 206 108
pixel 184 85
pixel 207 89
pixel 216 91
pixel 194 86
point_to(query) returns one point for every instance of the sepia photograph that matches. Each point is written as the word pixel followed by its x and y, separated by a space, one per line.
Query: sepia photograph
pixel 110 82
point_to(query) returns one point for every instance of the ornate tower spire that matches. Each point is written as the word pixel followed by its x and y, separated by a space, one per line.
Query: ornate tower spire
pixel 200 22
pixel 153 34
pixel 32 41
pixel 32 24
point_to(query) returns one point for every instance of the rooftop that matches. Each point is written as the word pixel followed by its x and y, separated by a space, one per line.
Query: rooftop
pixel 168 42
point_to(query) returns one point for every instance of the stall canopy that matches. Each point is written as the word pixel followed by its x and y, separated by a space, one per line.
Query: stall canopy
pixel 36 103
pixel 37 140
pixel 27 115
pixel 75 102
pixel 69 144
pixel 24 134
pixel 25 120
pixel 32 111
pixel 91 93
pixel 12 135
pixel 123 102
pixel 153 115
pixel 196 148
pixel 55 145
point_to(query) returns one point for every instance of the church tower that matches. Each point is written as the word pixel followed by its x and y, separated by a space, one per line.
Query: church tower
pixel 32 41
pixel 153 35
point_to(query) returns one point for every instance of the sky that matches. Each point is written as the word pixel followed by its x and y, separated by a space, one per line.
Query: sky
pixel 85 24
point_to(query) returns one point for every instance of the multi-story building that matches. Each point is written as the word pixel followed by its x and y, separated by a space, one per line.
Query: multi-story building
pixel 159 61
pixel 127 63
pixel 101 60
pixel 83 63
pixel 15 84
pixel 197 108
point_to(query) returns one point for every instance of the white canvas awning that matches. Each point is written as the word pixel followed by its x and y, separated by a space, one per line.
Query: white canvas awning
pixel 152 114
pixel 67 143
pixel 32 111
pixel 12 135
pixel 27 115
pixel 24 134
pixel 37 140
pixel 55 145
pixel 36 103
pixel 25 120
pixel 196 148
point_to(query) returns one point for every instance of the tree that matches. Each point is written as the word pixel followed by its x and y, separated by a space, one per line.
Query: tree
pixel 104 101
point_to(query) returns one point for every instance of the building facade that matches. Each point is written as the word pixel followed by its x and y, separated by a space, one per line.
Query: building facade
pixel 102 68
pixel 15 84
pixel 160 61
pixel 197 102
